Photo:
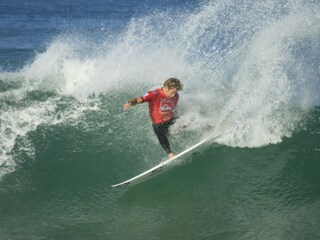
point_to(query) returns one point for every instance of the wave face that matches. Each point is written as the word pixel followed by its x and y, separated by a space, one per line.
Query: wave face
pixel 251 66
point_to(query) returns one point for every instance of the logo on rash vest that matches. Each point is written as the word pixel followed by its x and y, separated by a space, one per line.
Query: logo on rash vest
pixel 166 106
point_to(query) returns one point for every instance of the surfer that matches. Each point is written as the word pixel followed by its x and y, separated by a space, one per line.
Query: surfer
pixel 162 103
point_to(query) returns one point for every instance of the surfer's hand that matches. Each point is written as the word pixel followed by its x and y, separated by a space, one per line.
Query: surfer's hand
pixel 126 106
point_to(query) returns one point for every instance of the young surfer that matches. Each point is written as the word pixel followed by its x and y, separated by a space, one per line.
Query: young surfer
pixel 162 104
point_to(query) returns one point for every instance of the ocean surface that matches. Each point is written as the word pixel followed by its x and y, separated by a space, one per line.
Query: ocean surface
pixel 66 69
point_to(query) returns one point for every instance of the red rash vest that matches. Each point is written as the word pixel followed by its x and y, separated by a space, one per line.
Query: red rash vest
pixel 161 108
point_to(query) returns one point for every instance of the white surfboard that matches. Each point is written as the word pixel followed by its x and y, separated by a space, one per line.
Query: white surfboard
pixel 164 165
pixel 157 169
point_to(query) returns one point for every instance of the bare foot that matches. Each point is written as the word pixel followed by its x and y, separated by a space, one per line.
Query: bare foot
pixel 171 155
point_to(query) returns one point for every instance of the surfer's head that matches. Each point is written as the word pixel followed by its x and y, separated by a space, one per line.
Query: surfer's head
pixel 173 83
pixel 171 86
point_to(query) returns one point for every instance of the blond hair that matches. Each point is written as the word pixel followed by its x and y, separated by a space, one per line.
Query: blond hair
pixel 173 83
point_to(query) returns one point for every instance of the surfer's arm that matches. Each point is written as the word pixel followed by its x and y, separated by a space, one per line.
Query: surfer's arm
pixel 132 102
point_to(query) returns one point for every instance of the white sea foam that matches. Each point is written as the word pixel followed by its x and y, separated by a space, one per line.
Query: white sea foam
pixel 16 121
pixel 262 109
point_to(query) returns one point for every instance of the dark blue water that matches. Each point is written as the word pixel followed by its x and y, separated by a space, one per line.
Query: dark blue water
pixel 67 67
pixel 28 27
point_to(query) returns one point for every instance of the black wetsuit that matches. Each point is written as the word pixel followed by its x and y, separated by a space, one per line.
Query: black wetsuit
pixel 162 131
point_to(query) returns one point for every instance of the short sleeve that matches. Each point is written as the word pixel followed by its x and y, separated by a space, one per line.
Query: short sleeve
pixel 148 96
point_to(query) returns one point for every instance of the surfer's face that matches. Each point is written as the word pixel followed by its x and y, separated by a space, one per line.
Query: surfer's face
pixel 170 92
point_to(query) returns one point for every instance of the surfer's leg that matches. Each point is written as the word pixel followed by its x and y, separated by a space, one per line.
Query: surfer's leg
pixel 161 131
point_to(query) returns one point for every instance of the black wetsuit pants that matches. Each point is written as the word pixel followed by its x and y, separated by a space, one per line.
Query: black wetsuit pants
pixel 162 131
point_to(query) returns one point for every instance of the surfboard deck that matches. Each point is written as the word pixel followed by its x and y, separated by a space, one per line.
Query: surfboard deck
pixel 157 169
